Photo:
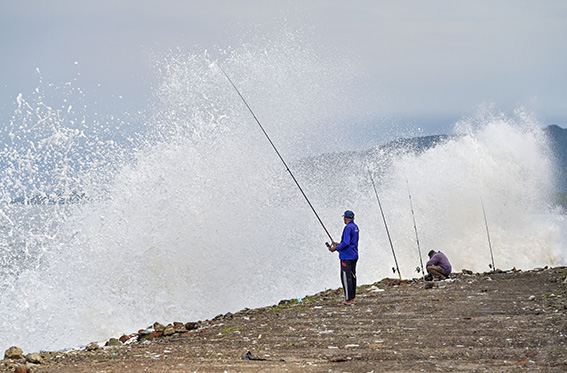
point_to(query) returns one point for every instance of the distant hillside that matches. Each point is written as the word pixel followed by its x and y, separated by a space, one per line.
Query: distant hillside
pixel 558 139
pixel 558 142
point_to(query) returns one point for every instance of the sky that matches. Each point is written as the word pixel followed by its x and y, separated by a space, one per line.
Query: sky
pixel 432 62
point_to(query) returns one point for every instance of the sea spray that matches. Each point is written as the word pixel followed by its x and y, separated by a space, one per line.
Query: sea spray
pixel 197 216
pixel 194 221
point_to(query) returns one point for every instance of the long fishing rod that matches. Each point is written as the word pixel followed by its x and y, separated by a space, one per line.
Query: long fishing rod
pixel 487 234
pixel 415 228
pixel 385 224
pixel 278 153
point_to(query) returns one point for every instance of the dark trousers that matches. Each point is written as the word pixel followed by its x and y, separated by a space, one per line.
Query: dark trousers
pixel 348 278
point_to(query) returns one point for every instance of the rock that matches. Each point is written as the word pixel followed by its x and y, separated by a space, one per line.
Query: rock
pixel 532 297
pixel 143 332
pixel 191 325
pixel 113 342
pixel 169 330
pixel 22 370
pixel 429 285
pixel 34 358
pixel 14 353
pixel 179 327
pixel 159 327
pixel 92 347
pixel 124 338
pixel 467 272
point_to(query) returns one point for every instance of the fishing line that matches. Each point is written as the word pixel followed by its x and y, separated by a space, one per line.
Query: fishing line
pixel 415 228
pixel 487 233
pixel 385 224
pixel 278 153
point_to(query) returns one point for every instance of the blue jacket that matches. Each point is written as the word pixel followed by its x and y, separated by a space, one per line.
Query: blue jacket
pixel 348 248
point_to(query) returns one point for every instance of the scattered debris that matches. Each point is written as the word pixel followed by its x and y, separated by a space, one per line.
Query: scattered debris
pixel 248 356
pixel 340 359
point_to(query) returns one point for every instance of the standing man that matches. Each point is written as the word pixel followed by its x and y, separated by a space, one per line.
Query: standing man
pixel 348 254
pixel 438 266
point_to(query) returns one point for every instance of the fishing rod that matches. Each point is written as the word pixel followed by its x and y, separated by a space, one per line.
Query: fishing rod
pixel 385 224
pixel 487 234
pixel 415 228
pixel 279 155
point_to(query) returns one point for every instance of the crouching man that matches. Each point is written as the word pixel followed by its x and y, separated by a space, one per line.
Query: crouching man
pixel 438 266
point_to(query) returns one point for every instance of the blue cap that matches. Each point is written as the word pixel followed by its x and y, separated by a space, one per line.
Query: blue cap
pixel 348 214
